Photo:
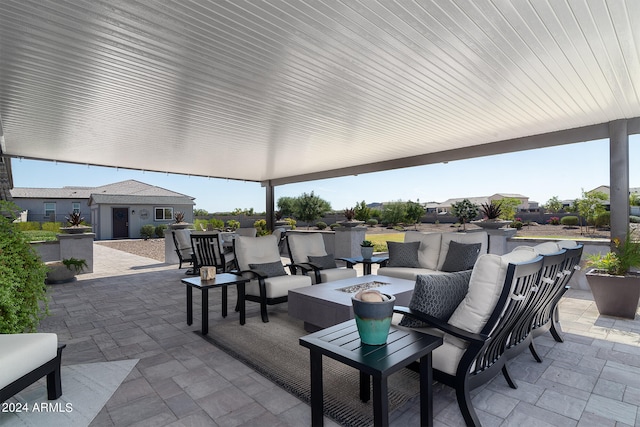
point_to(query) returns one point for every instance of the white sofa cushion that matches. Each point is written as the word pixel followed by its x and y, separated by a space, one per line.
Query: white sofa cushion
pixel 278 286
pixel 429 247
pixel 405 272
pixel 22 353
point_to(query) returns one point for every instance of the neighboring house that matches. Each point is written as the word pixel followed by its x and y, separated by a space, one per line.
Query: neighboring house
pixel 115 211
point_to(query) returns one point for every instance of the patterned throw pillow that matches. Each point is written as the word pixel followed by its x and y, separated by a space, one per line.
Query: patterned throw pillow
pixel 324 262
pixel 403 254
pixel 437 295
pixel 271 269
pixel 461 256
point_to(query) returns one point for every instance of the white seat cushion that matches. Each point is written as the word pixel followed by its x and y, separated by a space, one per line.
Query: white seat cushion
pixel 22 353
pixel 334 274
pixel 405 272
pixel 278 286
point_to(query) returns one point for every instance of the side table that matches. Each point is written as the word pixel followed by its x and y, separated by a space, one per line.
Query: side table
pixel 222 280
pixel 366 262
pixel 342 343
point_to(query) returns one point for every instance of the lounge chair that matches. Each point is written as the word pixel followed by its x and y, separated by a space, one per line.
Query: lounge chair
pixel 309 256
pixel 258 258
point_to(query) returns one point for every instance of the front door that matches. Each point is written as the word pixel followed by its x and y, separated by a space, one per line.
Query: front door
pixel 120 223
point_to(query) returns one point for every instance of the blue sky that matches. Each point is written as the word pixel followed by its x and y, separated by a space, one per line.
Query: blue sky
pixel 562 171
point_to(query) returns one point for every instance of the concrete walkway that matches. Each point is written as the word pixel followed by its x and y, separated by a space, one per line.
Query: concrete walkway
pixel 134 307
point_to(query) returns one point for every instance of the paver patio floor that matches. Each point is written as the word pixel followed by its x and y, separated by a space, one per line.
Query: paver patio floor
pixel 134 307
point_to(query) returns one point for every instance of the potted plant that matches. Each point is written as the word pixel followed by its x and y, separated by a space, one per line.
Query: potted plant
pixel 64 271
pixel 179 221
pixel 491 212
pixel 76 226
pixel 349 214
pixel 366 248
pixel 615 288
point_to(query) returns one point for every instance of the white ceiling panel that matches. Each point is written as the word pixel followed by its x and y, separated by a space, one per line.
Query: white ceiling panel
pixel 287 90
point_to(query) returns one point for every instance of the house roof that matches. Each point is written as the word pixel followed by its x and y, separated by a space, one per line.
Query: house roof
pixel 284 91
pixel 125 192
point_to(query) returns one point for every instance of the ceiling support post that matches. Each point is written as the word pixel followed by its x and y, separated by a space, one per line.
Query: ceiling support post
pixel 619 178
pixel 270 205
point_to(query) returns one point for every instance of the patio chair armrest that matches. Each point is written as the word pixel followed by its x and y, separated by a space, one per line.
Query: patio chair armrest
pixel 443 326
pixel 254 274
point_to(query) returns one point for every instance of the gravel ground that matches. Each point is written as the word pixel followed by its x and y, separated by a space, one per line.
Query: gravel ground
pixel 154 248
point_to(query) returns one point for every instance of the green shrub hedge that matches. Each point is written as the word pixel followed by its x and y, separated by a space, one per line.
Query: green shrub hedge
pixel 570 220
pixel 52 226
pixel 159 230
pixel 23 295
pixel 147 231
pixel 29 226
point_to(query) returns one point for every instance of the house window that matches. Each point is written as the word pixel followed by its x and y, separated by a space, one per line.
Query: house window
pixel 50 211
pixel 75 207
pixel 163 214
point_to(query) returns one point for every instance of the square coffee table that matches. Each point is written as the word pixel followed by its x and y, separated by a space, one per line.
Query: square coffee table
pixel 328 304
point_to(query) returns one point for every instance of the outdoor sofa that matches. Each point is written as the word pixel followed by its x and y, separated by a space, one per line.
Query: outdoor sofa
pixel 434 253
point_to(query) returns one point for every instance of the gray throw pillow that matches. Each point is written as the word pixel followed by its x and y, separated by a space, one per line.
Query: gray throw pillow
pixel 324 262
pixel 271 269
pixel 437 295
pixel 461 256
pixel 403 254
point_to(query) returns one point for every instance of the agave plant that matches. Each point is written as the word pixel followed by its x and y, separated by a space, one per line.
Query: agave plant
pixel 349 214
pixel 74 219
pixel 492 210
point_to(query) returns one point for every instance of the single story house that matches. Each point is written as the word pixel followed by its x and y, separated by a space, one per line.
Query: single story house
pixel 115 211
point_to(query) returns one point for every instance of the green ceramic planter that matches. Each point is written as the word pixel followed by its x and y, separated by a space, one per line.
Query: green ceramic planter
pixel 373 319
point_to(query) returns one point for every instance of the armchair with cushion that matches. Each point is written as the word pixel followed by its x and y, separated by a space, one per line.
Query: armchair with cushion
pixel 258 258
pixel 182 243
pixel 308 255
pixel 475 334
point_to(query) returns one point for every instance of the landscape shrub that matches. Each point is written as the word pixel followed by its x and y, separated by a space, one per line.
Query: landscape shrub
pixel 570 220
pixel 603 219
pixel 23 294
pixel 554 220
pixel 516 224
pixel 321 225
pixel 160 229
pixel 147 231
pixel 372 222
pixel 233 224
pixel 334 226
pixel 28 225
pixel 52 226
pixel 635 219
pixel 40 236
pixel 290 222
pixel 261 227
pixel 216 223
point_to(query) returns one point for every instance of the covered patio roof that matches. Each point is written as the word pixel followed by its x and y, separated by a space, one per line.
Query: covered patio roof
pixel 282 91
